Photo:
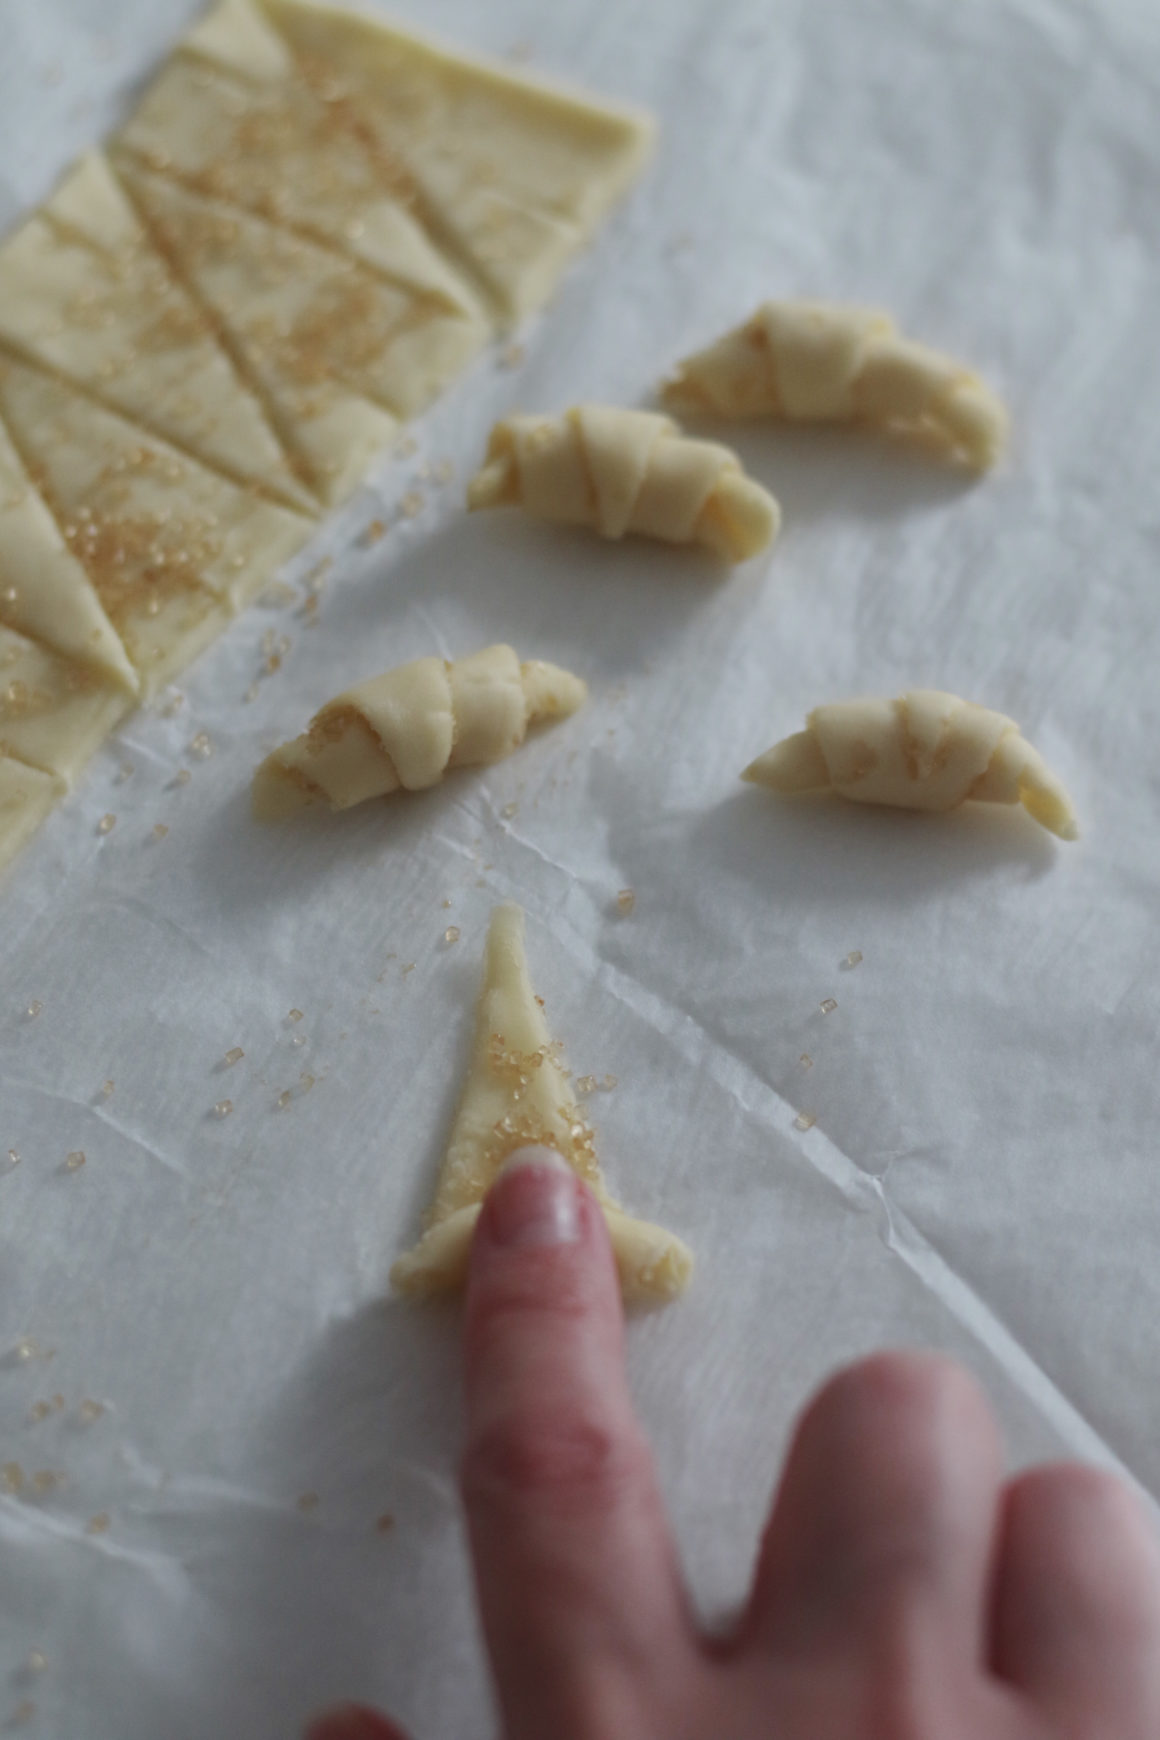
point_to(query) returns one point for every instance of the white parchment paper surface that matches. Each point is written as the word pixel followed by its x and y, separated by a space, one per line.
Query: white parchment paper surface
pixel 982 1173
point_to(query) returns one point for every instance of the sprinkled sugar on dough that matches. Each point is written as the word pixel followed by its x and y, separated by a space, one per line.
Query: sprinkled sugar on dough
pixel 407 728
pixel 517 1093
pixel 310 226
pixel 622 471
pixel 925 751
pixel 821 362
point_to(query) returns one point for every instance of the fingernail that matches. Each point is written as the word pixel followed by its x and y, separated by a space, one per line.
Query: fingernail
pixel 534 1200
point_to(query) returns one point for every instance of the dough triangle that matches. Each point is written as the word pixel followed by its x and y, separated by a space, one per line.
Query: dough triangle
pixel 235 117
pixel 84 292
pixel 517 1092
pixel 54 714
pixel 510 174
pixel 311 327
pixel 26 796
pixel 44 591
pixel 172 549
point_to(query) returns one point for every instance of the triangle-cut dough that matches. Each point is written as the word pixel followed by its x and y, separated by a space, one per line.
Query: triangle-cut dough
pixel 511 174
pixel 44 591
pixel 172 550
pixel 273 144
pixel 53 714
pixel 313 328
pixel 517 1093
pixel 84 292
pixel 237 36
pixel 26 796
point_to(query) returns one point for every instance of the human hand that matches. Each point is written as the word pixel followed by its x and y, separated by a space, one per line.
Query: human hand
pixel 903 1591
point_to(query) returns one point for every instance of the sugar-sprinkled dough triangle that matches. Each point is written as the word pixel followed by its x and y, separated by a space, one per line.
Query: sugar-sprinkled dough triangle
pixel 84 291
pixel 517 1093
pixel 173 550
pixel 44 591
pixel 26 797
pixel 924 751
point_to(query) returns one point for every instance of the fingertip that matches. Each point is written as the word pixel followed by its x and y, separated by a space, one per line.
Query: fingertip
pixel 888 1494
pixel 927 1395
pixel 1078 1585
pixel 352 1722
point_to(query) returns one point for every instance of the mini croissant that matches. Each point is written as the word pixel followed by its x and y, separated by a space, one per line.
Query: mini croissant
pixel 925 751
pixel 820 362
pixel 626 471
pixel 407 727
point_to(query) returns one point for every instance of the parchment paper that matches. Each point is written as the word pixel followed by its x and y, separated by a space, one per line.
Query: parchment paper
pixel 981 1176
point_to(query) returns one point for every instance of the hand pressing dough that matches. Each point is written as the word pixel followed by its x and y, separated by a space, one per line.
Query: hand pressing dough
pixel 820 362
pixel 626 471
pixel 517 1093
pixel 925 751
pixel 408 727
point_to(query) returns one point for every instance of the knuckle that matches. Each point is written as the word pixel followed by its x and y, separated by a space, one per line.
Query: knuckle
pixel 552 1455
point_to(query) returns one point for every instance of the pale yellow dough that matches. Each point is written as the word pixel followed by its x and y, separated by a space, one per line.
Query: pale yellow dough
pixel 924 751
pixel 622 471
pixel 822 362
pixel 26 797
pixel 410 726
pixel 517 1093
pixel 310 226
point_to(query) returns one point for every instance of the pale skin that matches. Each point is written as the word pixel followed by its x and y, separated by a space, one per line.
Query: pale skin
pixel 904 1589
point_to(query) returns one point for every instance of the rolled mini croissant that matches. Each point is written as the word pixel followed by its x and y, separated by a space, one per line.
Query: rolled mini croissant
pixel 924 751
pixel 823 362
pixel 407 727
pixel 626 471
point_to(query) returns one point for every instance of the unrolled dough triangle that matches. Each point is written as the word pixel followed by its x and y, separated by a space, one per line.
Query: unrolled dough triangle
pixel 511 174
pixel 517 1093
pixel 44 591
pixel 83 291
pixel 313 328
pixel 172 549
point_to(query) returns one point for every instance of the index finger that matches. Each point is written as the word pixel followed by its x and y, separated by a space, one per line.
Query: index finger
pixel 579 1593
